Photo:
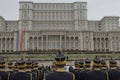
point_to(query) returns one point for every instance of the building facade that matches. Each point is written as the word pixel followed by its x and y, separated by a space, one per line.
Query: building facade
pixel 58 26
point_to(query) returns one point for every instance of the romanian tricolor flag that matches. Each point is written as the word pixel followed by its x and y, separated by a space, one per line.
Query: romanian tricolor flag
pixel 21 39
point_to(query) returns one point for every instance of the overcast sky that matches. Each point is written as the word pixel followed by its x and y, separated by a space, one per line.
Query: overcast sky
pixel 97 9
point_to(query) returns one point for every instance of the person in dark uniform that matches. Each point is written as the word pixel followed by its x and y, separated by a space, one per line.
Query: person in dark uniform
pixel 81 65
pixel 76 64
pixel 103 65
pixel 10 69
pixel 29 68
pixel 114 74
pixel 15 69
pixel 87 64
pixel 53 66
pixel 10 66
pixel 96 73
pixel 79 75
pixel 60 73
pixel 39 74
pixel 21 74
pixel 71 69
pixel 42 71
pixel 3 74
pixel 76 70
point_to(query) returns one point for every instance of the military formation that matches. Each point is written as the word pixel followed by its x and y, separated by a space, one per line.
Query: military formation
pixel 96 69
pixel 21 70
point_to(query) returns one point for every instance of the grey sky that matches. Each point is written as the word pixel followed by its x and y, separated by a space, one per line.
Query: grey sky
pixel 97 9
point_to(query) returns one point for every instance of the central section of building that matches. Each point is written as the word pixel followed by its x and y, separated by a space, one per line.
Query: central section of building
pixel 57 24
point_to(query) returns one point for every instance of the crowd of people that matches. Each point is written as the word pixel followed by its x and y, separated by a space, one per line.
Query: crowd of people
pixel 87 69
pixel 96 69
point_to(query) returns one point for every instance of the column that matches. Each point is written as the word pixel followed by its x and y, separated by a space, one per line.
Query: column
pixel 74 41
pixel 10 45
pixel 37 43
pixel 33 43
pixel 15 45
pixel 26 40
pixel 100 45
pixel 41 42
pixel 92 44
pixel 104 42
pixel 46 42
pixel 1 45
pixel 70 43
pixel 60 47
pixel 65 41
pixel 79 44
pixel 5 44
pixel 81 40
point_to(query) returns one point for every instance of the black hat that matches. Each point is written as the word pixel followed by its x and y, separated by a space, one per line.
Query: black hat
pixel 35 63
pixel 76 63
pixel 96 62
pixel 81 63
pixel 60 59
pixel 21 64
pixel 112 63
pixel 10 64
pixel 2 64
pixel 87 62
pixel 103 63
pixel 28 63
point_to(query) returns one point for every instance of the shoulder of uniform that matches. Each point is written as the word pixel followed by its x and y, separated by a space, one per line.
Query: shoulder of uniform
pixel 51 73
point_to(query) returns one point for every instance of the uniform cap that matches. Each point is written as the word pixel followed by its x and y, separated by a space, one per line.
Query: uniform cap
pixel 87 62
pixel 21 64
pixel 28 63
pixel 81 63
pixel 10 64
pixel 103 63
pixel 2 64
pixel 96 62
pixel 76 63
pixel 112 63
pixel 60 59
pixel 35 63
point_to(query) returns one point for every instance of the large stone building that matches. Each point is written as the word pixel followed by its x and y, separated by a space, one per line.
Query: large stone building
pixel 64 26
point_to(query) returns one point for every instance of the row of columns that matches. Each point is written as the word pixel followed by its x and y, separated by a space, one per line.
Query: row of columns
pixel 101 44
pixel 115 45
pixel 48 42
pixel 6 44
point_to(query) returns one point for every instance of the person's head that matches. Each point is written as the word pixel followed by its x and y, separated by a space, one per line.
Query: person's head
pixel 71 69
pixel 76 64
pixel 112 63
pixel 21 65
pixel 87 63
pixel 81 64
pixel 2 64
pixel 35 64
pixel 53 66
pixel 96 63
pixel 10 65
pixel 103 64
pixel 60 61
pixel 28 64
